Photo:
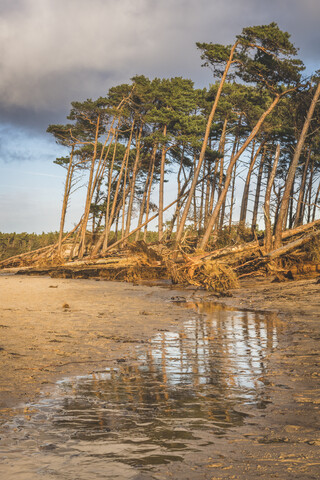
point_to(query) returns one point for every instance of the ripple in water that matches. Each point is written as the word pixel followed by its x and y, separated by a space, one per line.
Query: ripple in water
pixel 184 389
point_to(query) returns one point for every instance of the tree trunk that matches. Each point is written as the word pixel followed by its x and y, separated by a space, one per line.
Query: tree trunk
pixel 110 174
pixel 133 180
pixel 111 216
pixel 161 187
pixel 299 215
pixel 221 151
pixel 204 146
pixel 67 189
pixel 233 160
pixel 149 193
pixel 268 232
pixel 124 199
pixel 89 195
pixel 232 197
pixel 315 203
pixel 310 191
pixel 245 196
pixel 292 169
pixel 290 212
pixel 258 190
pixel 144 199
pixel 207 196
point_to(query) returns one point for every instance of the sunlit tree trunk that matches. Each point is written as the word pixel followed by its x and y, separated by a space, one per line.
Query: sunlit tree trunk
pixel 149 193
pixel 161 187
pixel 258 190
pixel 310 191
pixel 292 170
pixel 144 199
pixel 245 196
pixel 232 196
pixel 89 195
pixel 315 206
pixel 233 160
pixel 67 189
pixel 299 212
pixel 204 146
pixel 268 231
pixel 133 180
pixel 115 198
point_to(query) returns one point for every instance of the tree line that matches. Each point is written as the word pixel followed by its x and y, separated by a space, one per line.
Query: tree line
pixel 244 152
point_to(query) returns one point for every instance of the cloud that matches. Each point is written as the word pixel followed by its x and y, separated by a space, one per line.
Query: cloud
pixel 16 146
pixel 56 51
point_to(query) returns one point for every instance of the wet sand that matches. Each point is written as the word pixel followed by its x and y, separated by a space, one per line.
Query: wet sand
pixel 55 328
pixel 51 328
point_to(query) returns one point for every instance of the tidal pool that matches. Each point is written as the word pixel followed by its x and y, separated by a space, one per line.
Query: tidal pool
pixel 185 388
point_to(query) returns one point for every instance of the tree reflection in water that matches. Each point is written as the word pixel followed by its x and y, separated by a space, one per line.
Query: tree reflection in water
pixel 183 386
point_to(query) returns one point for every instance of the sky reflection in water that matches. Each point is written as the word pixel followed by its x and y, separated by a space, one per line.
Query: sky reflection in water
pixel 183 386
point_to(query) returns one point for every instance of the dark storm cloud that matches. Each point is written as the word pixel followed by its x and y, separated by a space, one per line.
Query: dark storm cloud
pixel 56 51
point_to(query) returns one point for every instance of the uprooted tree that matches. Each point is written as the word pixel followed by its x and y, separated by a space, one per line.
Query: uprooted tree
pixel 229 151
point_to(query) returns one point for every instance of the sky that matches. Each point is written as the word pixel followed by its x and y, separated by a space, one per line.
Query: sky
pixel 53 52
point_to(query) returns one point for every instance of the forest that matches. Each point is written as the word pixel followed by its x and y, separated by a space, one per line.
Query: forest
pixel 227 172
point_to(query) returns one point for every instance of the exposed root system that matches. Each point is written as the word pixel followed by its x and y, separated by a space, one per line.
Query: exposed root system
pixel 216 271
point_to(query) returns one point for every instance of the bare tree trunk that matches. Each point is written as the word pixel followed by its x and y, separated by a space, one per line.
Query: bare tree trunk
pixel 114 203
pixel 221 151
pixel 161 187
pixel 133 180
pixel 235 148
pixel 233 160
pixel 292 170
pixel 124 198
pixel 299 215
pixel 144 199
pixel 315 203
pixel 310 191
pixel 149 192
pixel 89 196
pixel 181 190
pixel 258 190
pixel 110 174
pixel 268 232
pixel 213 190
pixel 204 146
pixel 207 197
pixel 67 189
pixel 278 195
pixel 232 196
pixel 195 216
pixel 245 196
pixel 201 213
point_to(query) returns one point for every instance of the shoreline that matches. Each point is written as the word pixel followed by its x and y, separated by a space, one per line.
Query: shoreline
pixel 56 328
pixel 53 328
pixel 66 319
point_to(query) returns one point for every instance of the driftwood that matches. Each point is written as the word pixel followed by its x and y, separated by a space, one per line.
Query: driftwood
pixel 41 250
pixel 217 270
pixel 23 255
pixel 265 263
pixel 256 244
pixel 290 246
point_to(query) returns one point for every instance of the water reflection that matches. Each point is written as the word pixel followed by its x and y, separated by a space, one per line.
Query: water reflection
pixel 184 388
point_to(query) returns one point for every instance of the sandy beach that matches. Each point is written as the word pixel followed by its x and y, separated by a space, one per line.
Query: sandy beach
pixel 54 328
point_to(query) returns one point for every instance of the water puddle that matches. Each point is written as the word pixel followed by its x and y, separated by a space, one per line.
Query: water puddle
pixel 184 389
